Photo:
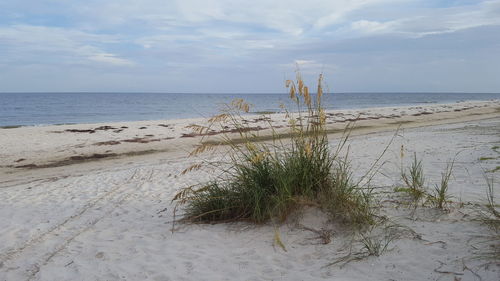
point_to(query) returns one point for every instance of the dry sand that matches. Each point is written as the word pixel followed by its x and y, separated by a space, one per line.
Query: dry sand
pixel 111 219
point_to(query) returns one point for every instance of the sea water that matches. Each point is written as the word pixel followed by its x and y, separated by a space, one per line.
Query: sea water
pixel 21 109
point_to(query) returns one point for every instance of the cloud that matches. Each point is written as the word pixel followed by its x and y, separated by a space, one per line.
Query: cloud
pixel 110 59
pixel 225 44
pixel 371 27
pixel 62 45
pixel 311 67
pixel 434 21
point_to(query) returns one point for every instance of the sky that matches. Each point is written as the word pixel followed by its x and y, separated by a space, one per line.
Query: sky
pixel 234 46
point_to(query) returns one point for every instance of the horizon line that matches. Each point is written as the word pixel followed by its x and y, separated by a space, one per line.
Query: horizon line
pixel 239 93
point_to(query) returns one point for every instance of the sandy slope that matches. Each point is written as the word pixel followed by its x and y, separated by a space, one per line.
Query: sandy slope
pixel 111 220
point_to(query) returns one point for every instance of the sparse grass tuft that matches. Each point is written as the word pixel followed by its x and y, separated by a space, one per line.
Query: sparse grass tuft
pixel 414 179
pixel 439 198
pixel 373 242
pixel 489 215
pixel 375 246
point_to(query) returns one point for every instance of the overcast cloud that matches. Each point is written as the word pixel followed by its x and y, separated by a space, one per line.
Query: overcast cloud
pixel 249 46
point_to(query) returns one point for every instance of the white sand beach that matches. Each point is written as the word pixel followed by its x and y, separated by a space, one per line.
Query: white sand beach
pixel 93 202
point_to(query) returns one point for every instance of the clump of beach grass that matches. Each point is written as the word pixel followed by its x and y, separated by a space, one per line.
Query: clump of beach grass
pixel 266 181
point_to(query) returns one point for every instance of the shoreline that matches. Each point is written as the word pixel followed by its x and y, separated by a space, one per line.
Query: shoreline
pixel 250 114
pixel 38 147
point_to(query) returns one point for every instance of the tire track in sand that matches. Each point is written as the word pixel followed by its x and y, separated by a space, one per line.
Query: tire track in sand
pixel 24 262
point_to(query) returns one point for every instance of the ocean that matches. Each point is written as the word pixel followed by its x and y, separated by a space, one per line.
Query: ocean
pixel 27 109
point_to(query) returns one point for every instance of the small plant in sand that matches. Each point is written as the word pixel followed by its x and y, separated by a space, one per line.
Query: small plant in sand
pixel 375 246
pixel 374 242
pixel 269 180
pixel 413 178
pixel 440 197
